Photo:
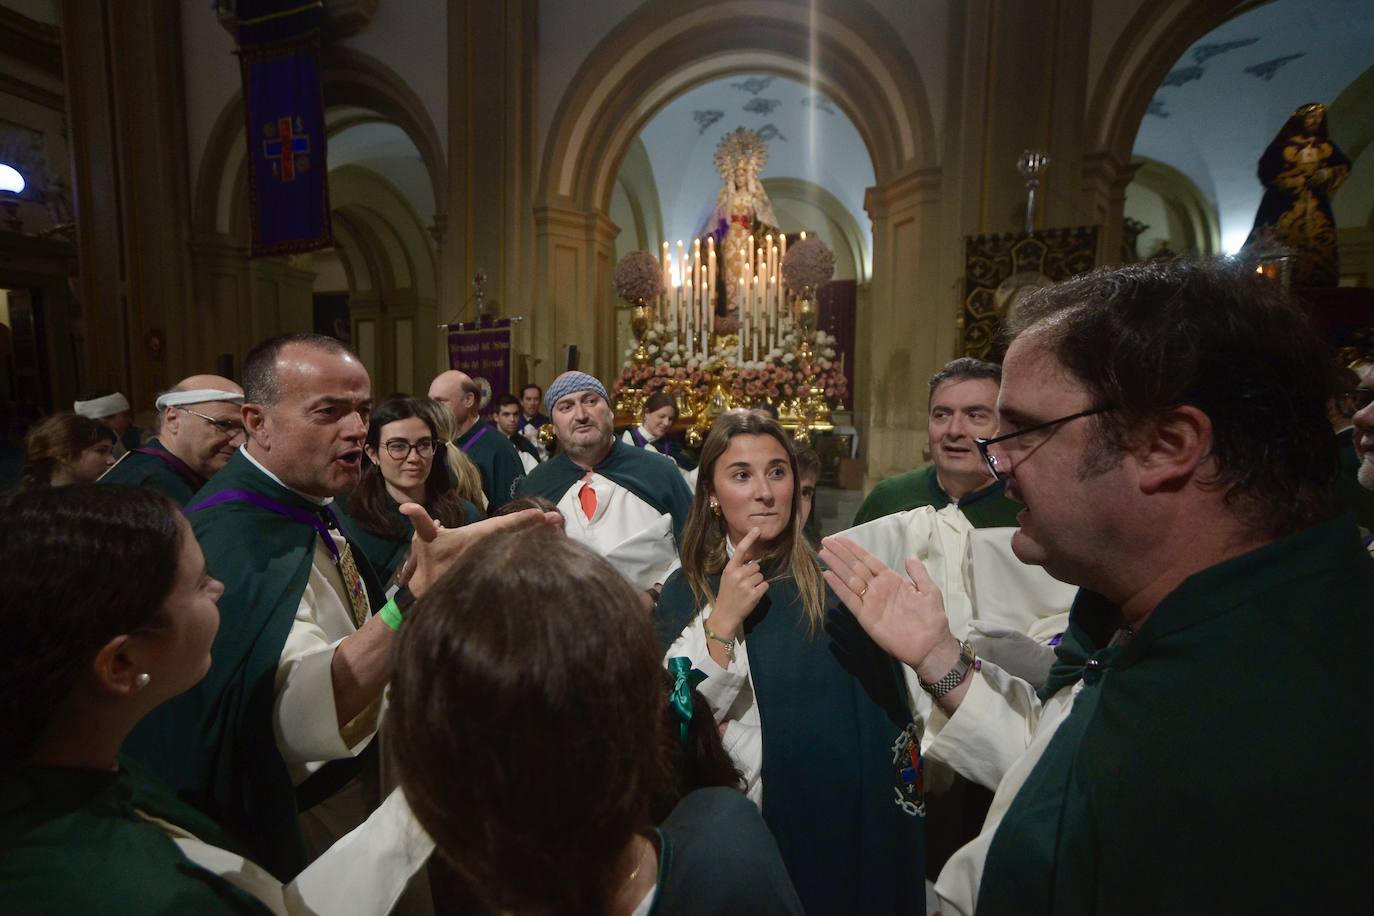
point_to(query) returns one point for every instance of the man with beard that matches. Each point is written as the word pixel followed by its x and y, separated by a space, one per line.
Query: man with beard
pixel 1164 425
pixel 623 502
pixel 201 427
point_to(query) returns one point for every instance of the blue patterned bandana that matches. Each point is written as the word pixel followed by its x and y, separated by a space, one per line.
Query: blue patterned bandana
pixel 571 383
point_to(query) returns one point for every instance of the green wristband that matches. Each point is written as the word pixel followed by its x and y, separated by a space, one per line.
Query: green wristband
pixel 390 614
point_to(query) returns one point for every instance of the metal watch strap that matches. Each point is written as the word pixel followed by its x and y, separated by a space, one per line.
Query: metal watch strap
pixel 955 676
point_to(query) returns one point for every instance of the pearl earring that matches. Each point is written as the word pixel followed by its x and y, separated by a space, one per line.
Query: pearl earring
pixel 715 507
pixel 142 680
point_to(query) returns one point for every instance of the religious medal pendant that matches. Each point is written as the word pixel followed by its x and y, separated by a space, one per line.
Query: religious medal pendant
pixel 353 584
pixel 910 771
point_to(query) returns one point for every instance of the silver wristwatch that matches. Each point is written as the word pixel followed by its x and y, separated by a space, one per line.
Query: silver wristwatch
pixel 955 676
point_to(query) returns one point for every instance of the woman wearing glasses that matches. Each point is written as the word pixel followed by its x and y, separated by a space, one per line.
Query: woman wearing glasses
pixel 401 446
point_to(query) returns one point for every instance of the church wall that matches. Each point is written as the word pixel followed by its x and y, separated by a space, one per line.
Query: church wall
pixel 409 37
pixel 211 73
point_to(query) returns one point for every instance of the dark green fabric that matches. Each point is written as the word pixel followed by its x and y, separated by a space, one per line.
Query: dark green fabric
pixel 215 743
pixel 72 842
pixel 1218 761
pixel 986 508
pixel 496 459
pixel 716 856
pixel 647 476
pixel 138 470
pixel 387 553
pixel 523 445
pixel 831 708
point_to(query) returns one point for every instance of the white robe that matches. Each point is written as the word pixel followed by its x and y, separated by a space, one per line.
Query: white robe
pixel 363 873
pixel 633 536
pixel 628 438
pixel 304 719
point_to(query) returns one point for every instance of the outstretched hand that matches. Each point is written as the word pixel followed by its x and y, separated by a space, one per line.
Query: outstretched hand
pixel 434 549
pixel 905 616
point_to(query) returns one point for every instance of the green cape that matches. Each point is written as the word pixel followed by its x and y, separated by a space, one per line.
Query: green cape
pixel 986 508
pixel 496 459
pixel 215 743
pixel 385 552
pixel 168 475
pixel 72 842
pixel 647 476
pixel 1214 763
pixel 716 856
pixel 831 708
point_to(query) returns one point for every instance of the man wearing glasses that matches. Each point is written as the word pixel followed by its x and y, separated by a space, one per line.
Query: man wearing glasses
pixel 1164 425
pixel 200 428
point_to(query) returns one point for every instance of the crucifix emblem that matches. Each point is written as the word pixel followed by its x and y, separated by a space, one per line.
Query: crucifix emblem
pixel 288 146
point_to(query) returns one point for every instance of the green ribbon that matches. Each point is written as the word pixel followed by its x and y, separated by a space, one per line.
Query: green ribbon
pixel 685 677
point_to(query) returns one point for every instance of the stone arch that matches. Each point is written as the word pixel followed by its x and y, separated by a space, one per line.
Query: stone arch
pixel 1193 222
pixel 663 50
pixel 659 52
pixel 852 237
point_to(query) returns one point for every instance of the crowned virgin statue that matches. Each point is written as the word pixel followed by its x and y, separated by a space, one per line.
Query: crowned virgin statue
pixel 742 209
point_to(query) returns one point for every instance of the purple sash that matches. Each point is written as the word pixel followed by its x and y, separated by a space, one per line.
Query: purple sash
pixel 303 516
pixel 641 442
pixel 473 441
pixel 178 467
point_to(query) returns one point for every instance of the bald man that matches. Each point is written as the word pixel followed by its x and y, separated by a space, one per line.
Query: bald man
pixel 201 426
pixel 496 459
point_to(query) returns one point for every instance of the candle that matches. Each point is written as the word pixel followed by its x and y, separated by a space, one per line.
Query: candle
pixel 773 309
pixel 711 282
pixel 744 324
pixel 750 249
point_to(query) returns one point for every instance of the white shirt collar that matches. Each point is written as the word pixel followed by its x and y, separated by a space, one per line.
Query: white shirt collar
pixel 648 436
pixel 317 500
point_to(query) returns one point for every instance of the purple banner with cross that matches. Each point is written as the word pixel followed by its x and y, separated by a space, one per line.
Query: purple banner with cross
pixel 483 351
pixel 288 183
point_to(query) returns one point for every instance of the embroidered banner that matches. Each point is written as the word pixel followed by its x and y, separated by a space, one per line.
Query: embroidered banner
pixel 288 183
pixel 482 350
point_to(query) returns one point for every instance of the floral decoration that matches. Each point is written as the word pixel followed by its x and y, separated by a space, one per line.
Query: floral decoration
pixel 639 275
pixel 776 376
pixel 807 265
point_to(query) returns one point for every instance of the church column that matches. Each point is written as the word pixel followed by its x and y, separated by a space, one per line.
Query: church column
pixel 222 304
pixel 907 330
pixel 126 110
pixel 572 301
pixel 488 219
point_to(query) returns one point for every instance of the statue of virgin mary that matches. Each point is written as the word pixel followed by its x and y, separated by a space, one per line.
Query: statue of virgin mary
pixel 742 208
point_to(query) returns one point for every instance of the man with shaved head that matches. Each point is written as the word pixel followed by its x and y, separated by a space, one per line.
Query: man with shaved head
pixel 496 459
pixel 201 426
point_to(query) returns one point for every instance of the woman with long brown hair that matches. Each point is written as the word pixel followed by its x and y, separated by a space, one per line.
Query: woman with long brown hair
pixel 814 713
pixel 558 768
pixel 406 464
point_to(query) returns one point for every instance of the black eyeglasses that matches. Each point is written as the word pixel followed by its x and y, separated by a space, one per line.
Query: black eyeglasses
pixel 991 460
pixel 399 449
pixel 230 428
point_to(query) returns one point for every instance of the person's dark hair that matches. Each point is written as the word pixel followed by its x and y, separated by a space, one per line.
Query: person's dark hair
pixel 52 440
pixel 260 382
pixel 659 400
pixel 535 387
pixel 963 369
pixel 703 536
pixel 808 462
pixel 527 722
pixel 370 504
pixel 1146 338
pixel 701 763
pixel 506 400
pixel 521 503
pixel 84 564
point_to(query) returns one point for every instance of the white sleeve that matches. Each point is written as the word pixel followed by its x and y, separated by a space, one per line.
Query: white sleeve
pixel 305 717
pixel 723 686
pixel 990 730
pixel 366 870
